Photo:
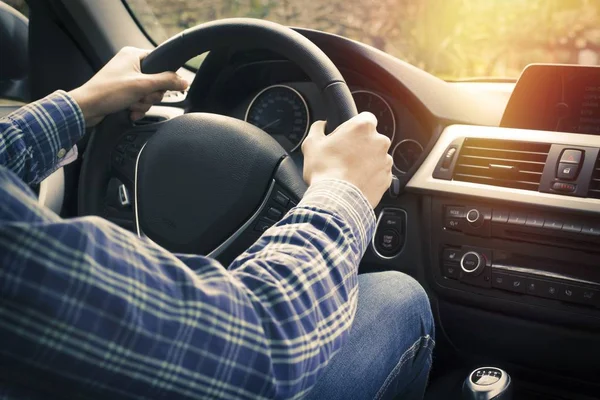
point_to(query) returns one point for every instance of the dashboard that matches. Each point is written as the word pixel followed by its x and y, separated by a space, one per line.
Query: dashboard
pixel 286 108
pixel 500 224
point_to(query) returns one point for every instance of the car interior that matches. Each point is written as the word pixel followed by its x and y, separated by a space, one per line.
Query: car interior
pixel 494 208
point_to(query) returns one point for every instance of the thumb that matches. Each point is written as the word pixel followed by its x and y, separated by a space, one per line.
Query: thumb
pixel 165 81
pixel 316 132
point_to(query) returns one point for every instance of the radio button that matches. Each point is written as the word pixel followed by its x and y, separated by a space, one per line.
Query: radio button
pixel 455 212
pixel 552 223
pixel 534 221
pixel 500 216
pixel 591 230
pixel 455 224
pixel 517 218
pixel 572 227
pixel 475 218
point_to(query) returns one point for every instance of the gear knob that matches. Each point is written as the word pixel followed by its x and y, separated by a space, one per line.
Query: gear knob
pixel 487 383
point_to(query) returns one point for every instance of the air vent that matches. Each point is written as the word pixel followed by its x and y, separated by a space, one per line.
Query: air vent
pixel 594 190
pixel 506 163
pixel 149 120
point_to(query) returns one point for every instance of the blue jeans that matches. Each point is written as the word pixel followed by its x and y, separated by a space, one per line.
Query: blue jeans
pixel 388 353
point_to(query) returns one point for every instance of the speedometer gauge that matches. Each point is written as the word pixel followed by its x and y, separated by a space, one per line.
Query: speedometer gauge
pixel 375 104
pixel 282 112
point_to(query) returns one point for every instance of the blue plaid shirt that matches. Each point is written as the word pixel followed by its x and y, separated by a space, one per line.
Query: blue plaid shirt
pixel 88 310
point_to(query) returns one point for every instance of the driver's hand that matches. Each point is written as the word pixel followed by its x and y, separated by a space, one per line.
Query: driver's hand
pixel 121 85
pixel 354 153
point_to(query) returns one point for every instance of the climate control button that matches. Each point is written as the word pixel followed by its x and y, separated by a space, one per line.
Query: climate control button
pixel 472 263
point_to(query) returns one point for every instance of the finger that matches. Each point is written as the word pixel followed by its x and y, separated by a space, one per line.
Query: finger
pixel 165 81
pixel 316 132
pixel 364 119
pixel 135 115
pixel 317 129
pixel 141 53
pixel 385 142
pixel 153 98
pixel 141 107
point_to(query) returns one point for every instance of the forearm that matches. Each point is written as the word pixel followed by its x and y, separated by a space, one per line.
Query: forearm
pixel 301 277
pixel 37 137
pixel 98 305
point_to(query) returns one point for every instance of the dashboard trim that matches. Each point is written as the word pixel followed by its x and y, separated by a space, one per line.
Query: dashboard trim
pixel 423 181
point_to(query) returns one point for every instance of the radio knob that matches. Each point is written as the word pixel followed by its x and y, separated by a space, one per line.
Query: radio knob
pixel 474 218
pixel 472 263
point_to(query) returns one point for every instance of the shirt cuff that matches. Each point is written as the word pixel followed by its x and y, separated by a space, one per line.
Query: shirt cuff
pixel 346 201
pixel 51 127
pixel 67 159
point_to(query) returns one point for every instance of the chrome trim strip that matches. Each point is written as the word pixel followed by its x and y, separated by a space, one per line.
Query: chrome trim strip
pixel 301 98
pixel 391 110
pixel 377 227
pixel 135 194
pixel 423 181
pixel 216 252
pixel 543 274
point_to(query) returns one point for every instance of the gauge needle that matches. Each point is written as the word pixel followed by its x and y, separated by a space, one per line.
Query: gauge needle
pixel 270 124
pixel 404 158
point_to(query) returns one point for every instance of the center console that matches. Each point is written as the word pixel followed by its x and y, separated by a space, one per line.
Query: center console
pixel 516 253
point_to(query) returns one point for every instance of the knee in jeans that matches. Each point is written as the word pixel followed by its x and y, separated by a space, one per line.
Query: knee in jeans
pixel 408 300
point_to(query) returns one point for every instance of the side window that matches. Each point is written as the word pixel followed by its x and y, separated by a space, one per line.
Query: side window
pixel 14 62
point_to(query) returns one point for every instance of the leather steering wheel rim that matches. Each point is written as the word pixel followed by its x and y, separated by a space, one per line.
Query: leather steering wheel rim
pixel 171 55
pixel 175 52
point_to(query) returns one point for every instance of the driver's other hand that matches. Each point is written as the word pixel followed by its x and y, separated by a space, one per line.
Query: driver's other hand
pixel 355 152
pixel 121 85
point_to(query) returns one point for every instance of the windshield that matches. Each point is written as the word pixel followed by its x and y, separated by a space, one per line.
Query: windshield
pixel 453 39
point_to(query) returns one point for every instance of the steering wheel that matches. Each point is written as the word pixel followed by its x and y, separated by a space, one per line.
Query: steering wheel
pixel 206 183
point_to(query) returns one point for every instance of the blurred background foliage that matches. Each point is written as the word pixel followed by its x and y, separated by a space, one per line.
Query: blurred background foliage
pixel 453 39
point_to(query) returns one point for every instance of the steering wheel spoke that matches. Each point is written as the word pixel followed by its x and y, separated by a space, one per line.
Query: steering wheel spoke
pixel 125 153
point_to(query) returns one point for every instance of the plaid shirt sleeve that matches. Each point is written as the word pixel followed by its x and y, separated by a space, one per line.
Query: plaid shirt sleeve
pixel 39 138
pixel 90 310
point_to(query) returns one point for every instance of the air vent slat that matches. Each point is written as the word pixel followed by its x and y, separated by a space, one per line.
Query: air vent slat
pixel 507 160
pixel 511 164
pixel 506 150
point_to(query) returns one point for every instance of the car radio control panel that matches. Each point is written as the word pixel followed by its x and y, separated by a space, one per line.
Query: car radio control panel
pixel 529 256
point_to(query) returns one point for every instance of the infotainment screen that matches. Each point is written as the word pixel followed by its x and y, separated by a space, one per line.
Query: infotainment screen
pixel 563 98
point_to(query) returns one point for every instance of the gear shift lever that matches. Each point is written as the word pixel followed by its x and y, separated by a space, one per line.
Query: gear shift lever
pixel 487 383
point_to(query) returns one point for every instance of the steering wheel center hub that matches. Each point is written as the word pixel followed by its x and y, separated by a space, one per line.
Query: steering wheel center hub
pixel 200 177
